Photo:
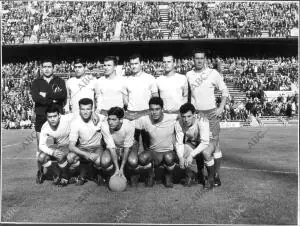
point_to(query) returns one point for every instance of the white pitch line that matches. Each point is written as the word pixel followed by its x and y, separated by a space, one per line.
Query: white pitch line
pixel 10 145
pixel 260 170
pixel 18 158
pixel 223 167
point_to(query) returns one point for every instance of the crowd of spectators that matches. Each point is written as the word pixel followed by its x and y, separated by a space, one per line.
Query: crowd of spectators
pixel 190 19
pixel 69 21
pixel 241 111
pixel 17 104
pixel 250 19
pixel 51 21
pixel 141 21
pixel 254 79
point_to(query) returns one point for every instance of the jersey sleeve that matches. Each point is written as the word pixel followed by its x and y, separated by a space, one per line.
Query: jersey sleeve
pixel 139 123
pixel 220 84
pixel 129 138
pixel 68 99
pixel 74 132
pixel 43 141
pixel 108 139
pixel 179 135
pixel 98 94
pixel 185 89
pixel 153 85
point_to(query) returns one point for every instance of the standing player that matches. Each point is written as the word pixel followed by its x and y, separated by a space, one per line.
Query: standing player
pixel 172 87
pixel 45 91
pixel 80 86
pixel 122 131
pixel 110 88
pixel 139 88
pixel 159 141
pixel 203 81
pixel 192 141
pixel 89 147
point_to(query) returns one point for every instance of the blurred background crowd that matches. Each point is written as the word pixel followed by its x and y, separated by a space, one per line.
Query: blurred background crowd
pixel 250 76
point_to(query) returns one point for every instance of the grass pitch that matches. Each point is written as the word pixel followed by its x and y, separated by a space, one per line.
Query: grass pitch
pixel 259 186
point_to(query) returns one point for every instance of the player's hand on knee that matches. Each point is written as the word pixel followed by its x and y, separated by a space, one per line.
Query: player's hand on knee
pixel 188 161
pixel 118 173
pixel 58 154
pixel 121 173
pixel 93 157
pixel 181 163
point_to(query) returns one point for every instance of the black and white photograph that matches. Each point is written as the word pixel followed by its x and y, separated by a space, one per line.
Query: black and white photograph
pixel 150 112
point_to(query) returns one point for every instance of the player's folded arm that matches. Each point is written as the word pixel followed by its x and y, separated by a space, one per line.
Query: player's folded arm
pixel 43 144
pixel 179 135
pixel 72 147
pixel 37 98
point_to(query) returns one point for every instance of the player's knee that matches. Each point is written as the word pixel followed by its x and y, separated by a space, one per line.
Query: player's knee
pixel 105 160
pixel 217 154
pixel 72 158
pixel 133 159
pixel 97 162
pixel 144 158
pixel 43 158
pixel 169 159
pixel 208 152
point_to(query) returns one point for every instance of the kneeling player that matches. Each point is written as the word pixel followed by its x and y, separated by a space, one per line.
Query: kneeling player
pixel 57 127
pixel 159 144
pixel 122 131
pixel 89 148
pixel 192 141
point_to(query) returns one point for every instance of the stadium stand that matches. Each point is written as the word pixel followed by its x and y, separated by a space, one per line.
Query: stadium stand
pixel 65 22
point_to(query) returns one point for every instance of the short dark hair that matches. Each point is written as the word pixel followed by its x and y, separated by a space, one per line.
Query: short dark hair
pixel 47 60
pixel 135 56
pixel 52 108
pixel 85 101
pixel 111 58
pixel 205 52
pixel 156 101
pixel 186 108
pixel 166 54
pixel 79 61
pixel 117 111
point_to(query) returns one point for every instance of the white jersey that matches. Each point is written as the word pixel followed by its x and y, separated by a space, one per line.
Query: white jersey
pixel 90 135
pixel 139 90
pixel 197 135
pixel 173 90
pixel 78 88
pixel 60 135
pixel 203 88
pixel 124 137
pixel 161 134
pixel 109 92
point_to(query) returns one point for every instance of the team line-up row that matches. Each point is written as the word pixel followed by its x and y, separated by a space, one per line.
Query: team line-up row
pixel 158 114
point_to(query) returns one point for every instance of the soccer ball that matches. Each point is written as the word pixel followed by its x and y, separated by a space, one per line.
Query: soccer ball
pixel 117 183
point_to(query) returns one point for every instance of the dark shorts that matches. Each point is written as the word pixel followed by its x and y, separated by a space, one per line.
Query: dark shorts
pixel 158 157
pixel 95 149
pixel 39 122
pixel 214 123
pixel 64 149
